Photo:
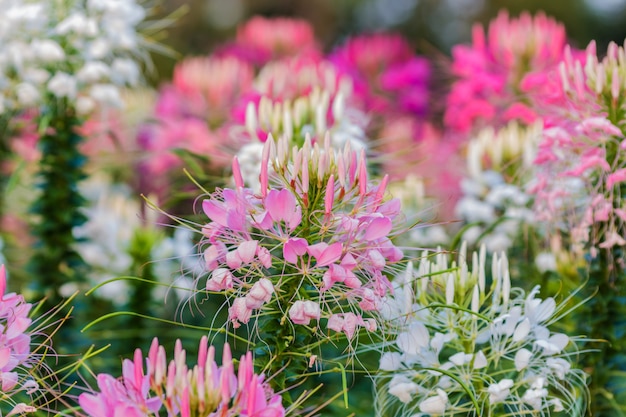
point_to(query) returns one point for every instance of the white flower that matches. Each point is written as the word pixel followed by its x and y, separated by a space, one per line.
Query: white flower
pixel 499 391
pixel 93 71
pixel 534 397
pixel 63 85
pixel 545 261
pixel 403 388
pixel 85 105
pixel 79 24
pixel 47 50
pixel 106 94
pixel 250 164
pixel 435 405
pixel 125 71
pixel 414 339
pixel 522 358
pixel 559 366
pixel 27 94
pixel 553 345
pixel 538 311
pixel 390 361
pixel 98 49
pixel 36 76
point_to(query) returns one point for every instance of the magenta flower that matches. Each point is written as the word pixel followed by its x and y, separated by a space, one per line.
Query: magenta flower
pixel 386 73
pixel 494 70
pixel 205 389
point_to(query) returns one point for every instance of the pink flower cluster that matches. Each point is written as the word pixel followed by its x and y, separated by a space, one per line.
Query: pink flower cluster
pixel 581 160
pixel 274 79
pixel 206 389
pixel 513 57
pixel 388 77
pixel 262 39
pixel 15 346
pixel 314 241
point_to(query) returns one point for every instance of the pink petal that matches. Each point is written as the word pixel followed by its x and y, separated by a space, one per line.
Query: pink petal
pixel 293 248
pixel 247 250
pixel 325 254
pixel 377 228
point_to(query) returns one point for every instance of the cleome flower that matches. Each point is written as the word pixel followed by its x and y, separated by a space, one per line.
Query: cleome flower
pixel 461 348
pixel 17 362
pixel 205 390
pixel 515 55
pixel 494 201
pixel 580 161
pixel 82 51
pixel 312 245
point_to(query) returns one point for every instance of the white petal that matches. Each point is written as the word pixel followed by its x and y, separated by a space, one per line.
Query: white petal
pixel 522 357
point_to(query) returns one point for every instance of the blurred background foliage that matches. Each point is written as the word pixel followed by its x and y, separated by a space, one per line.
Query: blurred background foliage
pixel 432 26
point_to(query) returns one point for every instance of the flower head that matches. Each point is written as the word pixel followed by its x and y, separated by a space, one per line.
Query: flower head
pixel 74 50
pixel 461 347
pixel 17 362
pixel 514 53
pixel 580 161
pixel 205 389
pixel 312 242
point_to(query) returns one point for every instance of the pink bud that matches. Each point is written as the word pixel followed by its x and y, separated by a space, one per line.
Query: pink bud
pixel 3 280
pixel 237 173
pixel 239 312
pixel 330 195
pixel 380 193
pixel 362 175
pixel 265 160
pixel 301 312
pixel 261 292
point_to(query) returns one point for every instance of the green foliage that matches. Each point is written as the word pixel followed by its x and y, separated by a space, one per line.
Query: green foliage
pixel 57 207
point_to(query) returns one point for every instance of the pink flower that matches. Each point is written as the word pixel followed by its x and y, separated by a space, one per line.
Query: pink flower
pixel 239 312
pixel 260 293
pixel 302 312
pixel 293 248
pixel 494 68
pixel 221 279
pixel 205 389
pixel 349 322
pixel 272 38
pixel 324 253
pixel 281 206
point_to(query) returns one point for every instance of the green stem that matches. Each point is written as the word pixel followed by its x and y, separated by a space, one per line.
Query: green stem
pixel 55 261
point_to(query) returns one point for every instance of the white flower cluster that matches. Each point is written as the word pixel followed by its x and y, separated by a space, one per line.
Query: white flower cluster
pixel 464 349
pixel 113 220
pixel 494 200
pixel 82 50
pixel 496 211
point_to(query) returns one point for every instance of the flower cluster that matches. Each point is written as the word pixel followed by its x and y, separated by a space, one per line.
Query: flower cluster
pixel 69 50
pixel 513 56
pixel 265 82
pixel 204 390
pixel 15 353
pixel 107 239
pixel 494 199
pixel 387 76
pixel 314 241
pixel 462 348
pixel 581 161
